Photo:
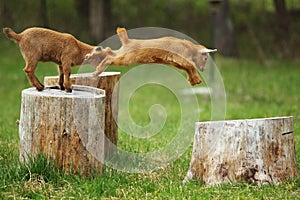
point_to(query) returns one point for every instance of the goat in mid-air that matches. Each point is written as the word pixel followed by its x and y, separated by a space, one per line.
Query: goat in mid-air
pixel 180 53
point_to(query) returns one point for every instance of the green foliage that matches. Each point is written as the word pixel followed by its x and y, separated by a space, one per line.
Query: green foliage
pixel 254 21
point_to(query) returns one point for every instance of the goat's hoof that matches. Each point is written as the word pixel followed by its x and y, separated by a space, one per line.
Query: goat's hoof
pixel 61 87
pixel 40 88
pixel 95 74
pixel 69 90
pixel 195 81
pixel 198 81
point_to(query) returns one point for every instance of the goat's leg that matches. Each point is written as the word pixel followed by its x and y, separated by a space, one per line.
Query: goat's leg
pixel 66 70
pixel 61 77
pixel 104 63
pixel 193 76
pixel 67 82
pixel 29 70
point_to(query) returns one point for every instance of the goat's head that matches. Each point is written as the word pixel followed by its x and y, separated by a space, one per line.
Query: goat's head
pixel 204 52
pixel 96 56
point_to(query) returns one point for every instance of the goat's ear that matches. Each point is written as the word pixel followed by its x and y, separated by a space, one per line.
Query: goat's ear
pixel 205 50
pixel 87 56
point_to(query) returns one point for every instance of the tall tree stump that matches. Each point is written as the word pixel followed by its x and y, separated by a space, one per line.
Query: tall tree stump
pixel 66 127
pixel 108 81
pixel 253 151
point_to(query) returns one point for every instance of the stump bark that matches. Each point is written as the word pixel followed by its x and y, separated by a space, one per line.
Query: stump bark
pixel 108 81
pixel 66 127
pixel 253 151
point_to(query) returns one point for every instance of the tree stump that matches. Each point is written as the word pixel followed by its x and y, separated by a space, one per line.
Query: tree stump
pixel 253 151
pixel 66 127
pixel 108 81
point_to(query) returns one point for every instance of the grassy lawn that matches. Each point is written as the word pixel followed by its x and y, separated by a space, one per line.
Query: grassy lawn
pixel 252 90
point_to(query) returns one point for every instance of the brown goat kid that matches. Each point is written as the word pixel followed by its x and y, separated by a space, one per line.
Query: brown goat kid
pixel 182 54
pixel 40 44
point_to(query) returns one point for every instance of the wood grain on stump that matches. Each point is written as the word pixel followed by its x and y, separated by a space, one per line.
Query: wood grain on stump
pixel 253 151
pixel 108 81
pixel 66 127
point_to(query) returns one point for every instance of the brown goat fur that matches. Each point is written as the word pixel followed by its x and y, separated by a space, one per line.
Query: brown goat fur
pixel 179 53
pixel 40 44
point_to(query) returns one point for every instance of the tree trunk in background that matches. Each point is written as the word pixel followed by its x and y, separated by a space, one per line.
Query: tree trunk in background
pixel 282 19
pixel 44 13
pixel 83 11
pixel 6 14
pixel 224 32
pixel 99 19
pixel 282 25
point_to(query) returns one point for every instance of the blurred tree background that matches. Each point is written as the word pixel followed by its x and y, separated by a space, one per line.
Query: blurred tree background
pixel 248 29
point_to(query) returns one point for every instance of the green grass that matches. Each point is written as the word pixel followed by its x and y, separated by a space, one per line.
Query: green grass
pixel 252 91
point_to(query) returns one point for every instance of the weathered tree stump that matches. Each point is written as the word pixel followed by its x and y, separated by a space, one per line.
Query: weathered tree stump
pixel 108 81
pixel 66 127
pixel 253 151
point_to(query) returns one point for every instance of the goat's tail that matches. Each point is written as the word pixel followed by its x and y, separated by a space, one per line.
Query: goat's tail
pixel 122 35
pixel 12 35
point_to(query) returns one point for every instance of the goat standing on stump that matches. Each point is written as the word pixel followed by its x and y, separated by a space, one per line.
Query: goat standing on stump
pixel 40 44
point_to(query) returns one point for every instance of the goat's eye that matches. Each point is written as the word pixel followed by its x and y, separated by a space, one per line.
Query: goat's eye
pixel 204 58
pixel 99 48
pixel 87 56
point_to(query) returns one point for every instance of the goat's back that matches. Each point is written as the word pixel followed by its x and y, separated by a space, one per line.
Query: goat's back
pixel 46 37
pixel 173 45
